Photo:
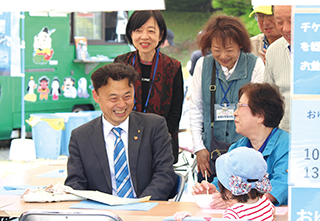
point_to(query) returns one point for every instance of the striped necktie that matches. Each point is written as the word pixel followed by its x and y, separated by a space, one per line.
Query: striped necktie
pixel 123 180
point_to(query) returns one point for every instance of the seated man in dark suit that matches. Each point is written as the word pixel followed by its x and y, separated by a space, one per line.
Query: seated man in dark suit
pixel 123 152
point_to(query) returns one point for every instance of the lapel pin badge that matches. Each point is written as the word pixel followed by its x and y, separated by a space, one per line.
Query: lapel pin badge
pixel 139 131
pixel 135 138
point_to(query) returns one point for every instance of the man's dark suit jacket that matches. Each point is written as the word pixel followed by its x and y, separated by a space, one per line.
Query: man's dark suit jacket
pixel 150 157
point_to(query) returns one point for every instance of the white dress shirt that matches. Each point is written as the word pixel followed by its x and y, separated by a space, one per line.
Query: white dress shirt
pixel 196 103
pixel 110 140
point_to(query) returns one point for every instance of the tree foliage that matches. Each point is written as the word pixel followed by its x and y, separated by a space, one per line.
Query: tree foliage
pixel 233 7
pixel 230 7
pixel 189 5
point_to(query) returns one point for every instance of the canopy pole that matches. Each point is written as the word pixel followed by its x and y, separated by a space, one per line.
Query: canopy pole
pixel 23 127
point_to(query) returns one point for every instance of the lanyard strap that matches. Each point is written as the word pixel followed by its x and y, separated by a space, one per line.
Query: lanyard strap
pixel 261 149
pixel 224 92
pixel 154 73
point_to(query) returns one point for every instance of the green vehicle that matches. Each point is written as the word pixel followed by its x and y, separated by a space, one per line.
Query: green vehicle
pixel 60 55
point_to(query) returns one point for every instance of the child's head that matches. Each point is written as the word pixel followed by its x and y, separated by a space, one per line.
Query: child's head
pixel 242 171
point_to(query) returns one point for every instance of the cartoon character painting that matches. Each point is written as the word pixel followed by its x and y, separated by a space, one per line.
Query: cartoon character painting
pixel 43 88
pixel 82 88
pixel 68 88
pixel 31 96
pixel 42 46
pixel 55 89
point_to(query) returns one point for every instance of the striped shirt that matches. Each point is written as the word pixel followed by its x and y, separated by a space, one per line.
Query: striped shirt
pixel 261 210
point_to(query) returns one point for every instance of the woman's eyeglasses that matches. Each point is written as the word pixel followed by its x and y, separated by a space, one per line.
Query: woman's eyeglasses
pixel 241 105
pixel 260 16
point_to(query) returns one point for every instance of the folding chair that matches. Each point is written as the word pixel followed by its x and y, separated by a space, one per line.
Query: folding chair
pixel 68 215
pixel 189 164
pixel 177 191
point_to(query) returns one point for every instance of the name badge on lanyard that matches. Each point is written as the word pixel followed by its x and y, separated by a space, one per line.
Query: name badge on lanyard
pixel 224 112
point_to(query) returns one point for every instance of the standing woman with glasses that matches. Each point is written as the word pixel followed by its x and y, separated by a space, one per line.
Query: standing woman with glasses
pixel 231 65
pixel 159 88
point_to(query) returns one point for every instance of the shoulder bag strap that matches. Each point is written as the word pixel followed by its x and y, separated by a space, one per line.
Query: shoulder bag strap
pixel 213 90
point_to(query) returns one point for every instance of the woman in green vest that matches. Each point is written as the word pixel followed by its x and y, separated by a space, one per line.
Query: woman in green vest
pixel 220 75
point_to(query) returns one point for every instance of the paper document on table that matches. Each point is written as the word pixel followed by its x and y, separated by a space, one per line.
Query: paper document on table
pixel 50 193
pixel 107 198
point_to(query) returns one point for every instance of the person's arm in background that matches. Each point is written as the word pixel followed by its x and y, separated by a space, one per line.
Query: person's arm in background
pixel 268 72
pixel 263 55
pixel 258 72
pixel 196 120
pixel 194 58
pixel 174 115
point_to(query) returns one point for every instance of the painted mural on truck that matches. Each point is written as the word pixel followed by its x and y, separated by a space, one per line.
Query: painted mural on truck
pixel 42 46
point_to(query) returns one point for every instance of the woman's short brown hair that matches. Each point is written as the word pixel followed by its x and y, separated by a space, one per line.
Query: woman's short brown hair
pixel 224 28
pixel 264 100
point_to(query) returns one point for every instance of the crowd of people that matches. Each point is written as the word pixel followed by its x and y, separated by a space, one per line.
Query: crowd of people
pixel 239 105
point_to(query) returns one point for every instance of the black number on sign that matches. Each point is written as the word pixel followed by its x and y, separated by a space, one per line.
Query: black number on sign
pixel 315 172
pixel 307 170
pixel 315 154
pixel 307 154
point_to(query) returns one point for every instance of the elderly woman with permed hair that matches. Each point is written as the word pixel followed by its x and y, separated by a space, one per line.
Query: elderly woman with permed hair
pixel 257 117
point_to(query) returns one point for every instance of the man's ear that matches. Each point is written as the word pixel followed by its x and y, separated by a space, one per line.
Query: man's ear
pixel 95 96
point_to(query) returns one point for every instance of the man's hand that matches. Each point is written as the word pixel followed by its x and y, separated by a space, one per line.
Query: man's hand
pixel 263 55
pixel 203 157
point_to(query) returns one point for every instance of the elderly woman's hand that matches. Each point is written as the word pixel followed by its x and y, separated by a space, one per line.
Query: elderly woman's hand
pixel 219 203
pixel 203 187
pixel 203 157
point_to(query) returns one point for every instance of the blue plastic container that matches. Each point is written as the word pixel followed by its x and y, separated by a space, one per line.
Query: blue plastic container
pixel 94 114
pixel 72 121
pixel 46 133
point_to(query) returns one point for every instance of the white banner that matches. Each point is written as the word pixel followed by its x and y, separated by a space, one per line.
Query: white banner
pixel 10 61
